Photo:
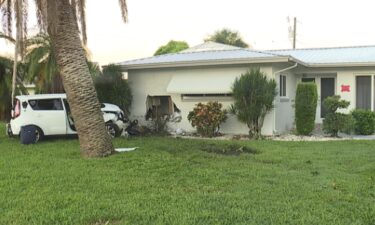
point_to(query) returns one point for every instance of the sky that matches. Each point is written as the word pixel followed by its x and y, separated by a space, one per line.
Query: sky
pixel 262 23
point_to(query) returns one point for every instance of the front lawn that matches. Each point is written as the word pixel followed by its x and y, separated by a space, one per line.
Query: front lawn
pixel 172 181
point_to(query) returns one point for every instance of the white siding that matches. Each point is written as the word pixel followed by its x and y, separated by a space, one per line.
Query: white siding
pixel 343 76
pixel 284 111
pixel 155 82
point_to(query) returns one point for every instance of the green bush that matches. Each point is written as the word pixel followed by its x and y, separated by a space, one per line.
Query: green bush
pixel 305 107
pixel 334 121
pixel 364 121
pixel 207 118
pixel 112 88
pixel 253 97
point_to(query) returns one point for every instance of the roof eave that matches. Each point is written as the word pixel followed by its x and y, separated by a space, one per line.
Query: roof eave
pixel 207 63
pixel 325 65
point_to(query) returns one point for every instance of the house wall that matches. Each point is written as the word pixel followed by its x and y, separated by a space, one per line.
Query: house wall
pixel 154 82
pixel 284 110
pixel 343 76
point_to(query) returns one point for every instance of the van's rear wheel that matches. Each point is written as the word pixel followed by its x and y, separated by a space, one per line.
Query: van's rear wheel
pixel 39 135
pixel 30 134
pixel 112 129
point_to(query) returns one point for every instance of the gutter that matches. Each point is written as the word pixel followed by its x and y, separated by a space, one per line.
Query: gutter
pixel 274 111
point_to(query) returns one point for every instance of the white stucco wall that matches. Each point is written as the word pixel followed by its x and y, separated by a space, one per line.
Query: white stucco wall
pixel 343 76
pixel 284 110
pixel 154 82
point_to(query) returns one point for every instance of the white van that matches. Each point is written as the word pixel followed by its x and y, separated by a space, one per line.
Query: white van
pixel 50 114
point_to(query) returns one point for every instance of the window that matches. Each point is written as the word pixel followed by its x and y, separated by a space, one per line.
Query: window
pixel 282 86
pixel 206 96
pixel 46 104
pixel 363 92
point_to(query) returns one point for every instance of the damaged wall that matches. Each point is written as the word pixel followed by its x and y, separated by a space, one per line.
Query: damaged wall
pixel 154 82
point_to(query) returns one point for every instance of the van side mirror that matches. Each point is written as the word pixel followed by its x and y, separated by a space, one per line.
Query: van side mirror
pixel 24 105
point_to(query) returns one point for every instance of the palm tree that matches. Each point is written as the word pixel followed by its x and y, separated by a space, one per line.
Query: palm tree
pixel 41 65
pixel 6 71
pixel 228 37
pixel 60 18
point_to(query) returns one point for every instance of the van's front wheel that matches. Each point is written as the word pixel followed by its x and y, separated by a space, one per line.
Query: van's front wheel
pixel 9 130
pixel 112 129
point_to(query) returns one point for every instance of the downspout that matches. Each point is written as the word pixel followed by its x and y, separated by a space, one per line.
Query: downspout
pixel 274 111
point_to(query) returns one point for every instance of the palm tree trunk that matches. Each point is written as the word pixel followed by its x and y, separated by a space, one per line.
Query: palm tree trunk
pixel 14 76
pixel 78 84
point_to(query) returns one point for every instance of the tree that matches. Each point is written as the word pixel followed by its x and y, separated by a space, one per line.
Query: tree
pixel 172 47
pixel 253 97
pixel 6 37
pixel 60 18
pixel 5 88
pixel 41 65
pixel 6 71
pixel 228 37
pixel 112 88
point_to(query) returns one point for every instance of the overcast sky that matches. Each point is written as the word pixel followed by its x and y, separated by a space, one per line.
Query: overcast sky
pixel 262 23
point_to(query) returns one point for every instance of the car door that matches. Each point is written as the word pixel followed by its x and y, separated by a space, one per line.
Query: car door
pixel 49 115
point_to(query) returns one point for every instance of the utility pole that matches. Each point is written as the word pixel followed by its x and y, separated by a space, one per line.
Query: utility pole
pixel 294 33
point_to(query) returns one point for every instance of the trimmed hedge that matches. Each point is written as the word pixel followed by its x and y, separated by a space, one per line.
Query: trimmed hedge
pixel 335 121
pixel 305 107
pixel 364 121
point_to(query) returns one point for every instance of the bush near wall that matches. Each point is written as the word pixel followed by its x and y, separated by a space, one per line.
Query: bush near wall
pixel 335 121
pixel 207 118
pixel 305 107
pixel 364 121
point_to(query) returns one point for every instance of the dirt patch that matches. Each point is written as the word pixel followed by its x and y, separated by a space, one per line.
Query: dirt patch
pixel 106 222
pixel 231 149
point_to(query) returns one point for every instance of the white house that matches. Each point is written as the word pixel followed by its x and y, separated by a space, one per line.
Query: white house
pixel 206 72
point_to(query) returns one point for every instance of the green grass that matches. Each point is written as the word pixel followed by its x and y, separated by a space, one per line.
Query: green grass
pixel 172 181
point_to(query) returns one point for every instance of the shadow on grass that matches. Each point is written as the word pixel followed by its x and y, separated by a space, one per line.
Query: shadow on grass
pixel 228 149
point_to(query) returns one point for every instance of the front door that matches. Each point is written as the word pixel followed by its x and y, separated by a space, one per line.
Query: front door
pixel 327 88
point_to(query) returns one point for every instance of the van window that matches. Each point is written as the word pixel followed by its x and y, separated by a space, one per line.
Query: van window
pixel 46 104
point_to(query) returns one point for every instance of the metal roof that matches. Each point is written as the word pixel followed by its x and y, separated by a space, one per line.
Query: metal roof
pixel 211 53
pixel 211 46
pixel 339 55
pixel 206 53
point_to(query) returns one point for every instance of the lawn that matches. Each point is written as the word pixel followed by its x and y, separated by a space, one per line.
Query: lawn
pixel 172 181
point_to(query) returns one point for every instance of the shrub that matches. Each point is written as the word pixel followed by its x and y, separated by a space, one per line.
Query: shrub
pixel 253 97
pixel 334 121
pixel 112 88
pixel 305 107
pixel 207 118
pixel 364 121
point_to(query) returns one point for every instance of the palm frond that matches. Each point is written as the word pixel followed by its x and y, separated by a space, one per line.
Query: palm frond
pixel 7 37
pixel 41 14
pixel 124 10
pixel 81 5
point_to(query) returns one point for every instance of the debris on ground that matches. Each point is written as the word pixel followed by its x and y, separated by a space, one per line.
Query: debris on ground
pixel 125 149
